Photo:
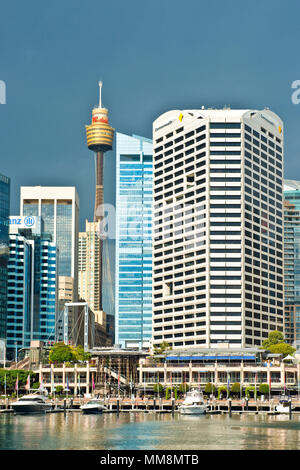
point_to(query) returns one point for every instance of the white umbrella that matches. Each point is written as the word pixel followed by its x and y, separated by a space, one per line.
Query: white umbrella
pixel 289 358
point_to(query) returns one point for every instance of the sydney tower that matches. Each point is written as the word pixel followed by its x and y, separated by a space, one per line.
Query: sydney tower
pixel 99 139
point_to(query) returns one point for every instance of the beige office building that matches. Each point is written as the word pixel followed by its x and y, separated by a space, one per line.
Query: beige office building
pixel 89 287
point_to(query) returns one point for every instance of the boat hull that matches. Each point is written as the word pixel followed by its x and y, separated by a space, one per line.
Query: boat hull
pixel 31 408
pixel 192 410
pixel 283 409
pixel 90 411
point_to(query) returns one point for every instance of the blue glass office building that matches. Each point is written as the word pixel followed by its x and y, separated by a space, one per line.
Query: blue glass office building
pixel 32 291
pixel 58 207
pixel 292 261
pixel 133 260
pixel 4 250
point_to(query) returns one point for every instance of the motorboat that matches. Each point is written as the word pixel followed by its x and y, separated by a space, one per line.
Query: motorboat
pixel 93 406
pixel 284 406
pixel 31 403
pixel 193 404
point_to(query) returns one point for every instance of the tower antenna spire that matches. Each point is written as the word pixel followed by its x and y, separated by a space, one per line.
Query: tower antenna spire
pixel 100 93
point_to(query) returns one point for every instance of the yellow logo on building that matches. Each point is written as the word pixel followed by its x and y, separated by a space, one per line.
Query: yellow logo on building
pixel 280 130
pixel 180 117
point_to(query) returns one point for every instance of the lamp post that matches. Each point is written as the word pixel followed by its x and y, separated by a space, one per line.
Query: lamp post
pixel 16 352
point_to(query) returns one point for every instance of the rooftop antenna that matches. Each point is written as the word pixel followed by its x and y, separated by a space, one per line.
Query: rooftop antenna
pixel 100 91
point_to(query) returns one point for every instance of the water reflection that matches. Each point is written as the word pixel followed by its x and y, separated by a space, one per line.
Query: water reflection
pixel 136 430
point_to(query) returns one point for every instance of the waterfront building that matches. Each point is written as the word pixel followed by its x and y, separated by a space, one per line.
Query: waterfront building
pixel 124 371
pixel 4 252
pixel 221 367
pixel 118 365
pixel 218 227
pixel 113 369
pixel 133 258
pixel 78 378
pixel 58 207
pixel 31 290
pixel 292 261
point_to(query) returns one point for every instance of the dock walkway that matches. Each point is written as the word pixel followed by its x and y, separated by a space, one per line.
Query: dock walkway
pixel 115 405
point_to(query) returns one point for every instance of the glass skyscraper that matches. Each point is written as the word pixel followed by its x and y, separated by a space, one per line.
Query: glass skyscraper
pixel 292 261
pixel 58 208
pixel 133 260
pixel 4 250
pixel 32 290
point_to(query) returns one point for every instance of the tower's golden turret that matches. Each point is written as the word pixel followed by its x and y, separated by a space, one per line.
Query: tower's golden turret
pixel 99 134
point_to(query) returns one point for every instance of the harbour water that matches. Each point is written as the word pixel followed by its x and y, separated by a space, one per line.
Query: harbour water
pixel 148 431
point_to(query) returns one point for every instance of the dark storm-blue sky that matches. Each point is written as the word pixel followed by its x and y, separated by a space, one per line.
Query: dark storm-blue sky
pixel 152 56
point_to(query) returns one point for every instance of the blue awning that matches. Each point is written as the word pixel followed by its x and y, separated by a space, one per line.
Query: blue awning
pixel 208 358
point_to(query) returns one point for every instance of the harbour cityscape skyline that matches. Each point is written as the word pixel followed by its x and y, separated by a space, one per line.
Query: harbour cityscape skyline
pixel 149 243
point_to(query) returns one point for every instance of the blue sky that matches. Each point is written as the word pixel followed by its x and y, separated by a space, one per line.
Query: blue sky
pixel 152 56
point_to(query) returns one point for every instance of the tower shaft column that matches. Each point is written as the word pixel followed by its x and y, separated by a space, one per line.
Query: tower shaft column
pixel 99 196
pixel 99 214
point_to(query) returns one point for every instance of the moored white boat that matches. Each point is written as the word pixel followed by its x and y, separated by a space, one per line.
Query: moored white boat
pixel 193 404
pixel 93 406
pixel 283 406
pixel 31 403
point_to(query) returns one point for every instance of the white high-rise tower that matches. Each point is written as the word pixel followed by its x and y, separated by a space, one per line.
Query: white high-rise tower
pixel 218 227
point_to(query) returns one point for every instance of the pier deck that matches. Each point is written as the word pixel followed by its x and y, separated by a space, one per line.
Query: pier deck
pixel 165 406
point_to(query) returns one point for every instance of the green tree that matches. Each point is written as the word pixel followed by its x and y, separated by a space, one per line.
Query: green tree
pixel 250 392
pixel 80 354
pixel 61 352
pixel 209 388
pixel 59 389
pixel 264 389
pixel 222 390
pixel 282 348
pixel 183 388
pixel 276 344
pixel 158 388
pixel 10 376
pixel 159 350
pixel 275 337
pixel 235 389
pixel 164 346
pixel 168 393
